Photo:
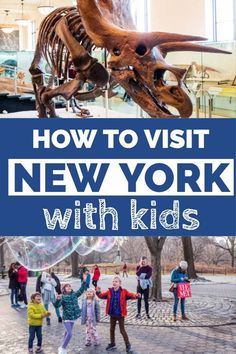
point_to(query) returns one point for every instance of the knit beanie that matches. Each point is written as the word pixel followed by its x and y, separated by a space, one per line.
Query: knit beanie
pixel 183 265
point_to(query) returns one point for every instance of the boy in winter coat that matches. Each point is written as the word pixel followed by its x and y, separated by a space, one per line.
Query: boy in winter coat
pixel 90 315
pixel 36 314
pixel 71 310
pixel 117 310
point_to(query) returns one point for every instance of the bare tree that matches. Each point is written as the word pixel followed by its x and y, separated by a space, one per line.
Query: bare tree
pixel 172 251
pixel 227 243
pixel 155 246
pixel 130 249
pixel 199 246
pixel 188 256
pixel 2 255
pixel 75 264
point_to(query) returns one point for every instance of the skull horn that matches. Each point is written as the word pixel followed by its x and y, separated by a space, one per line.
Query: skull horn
pixel 181 47
pixel 102 32
pixel 105 33
pixel 153 39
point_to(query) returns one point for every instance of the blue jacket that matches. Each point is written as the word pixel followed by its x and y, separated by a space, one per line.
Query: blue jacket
pixel 95 312
pixel 177 274
pixel 69 303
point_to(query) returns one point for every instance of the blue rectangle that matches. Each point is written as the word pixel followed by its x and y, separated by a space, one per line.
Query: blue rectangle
pixel 24 215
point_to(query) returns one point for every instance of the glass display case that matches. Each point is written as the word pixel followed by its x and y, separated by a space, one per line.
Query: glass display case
pixel 210 79
pixel 14 72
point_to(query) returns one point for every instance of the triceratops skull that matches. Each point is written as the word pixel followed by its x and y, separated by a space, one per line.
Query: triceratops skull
pixel 137 61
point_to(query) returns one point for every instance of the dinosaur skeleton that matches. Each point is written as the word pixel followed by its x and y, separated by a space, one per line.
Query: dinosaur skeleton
pixel 136 60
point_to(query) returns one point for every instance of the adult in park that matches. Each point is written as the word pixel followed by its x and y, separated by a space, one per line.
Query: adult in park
pixel 179 275
pixel 96 275
pixel 22 278
pixel 144 274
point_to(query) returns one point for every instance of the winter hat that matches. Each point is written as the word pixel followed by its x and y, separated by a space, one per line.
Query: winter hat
pixel 183 265
pixel 63 290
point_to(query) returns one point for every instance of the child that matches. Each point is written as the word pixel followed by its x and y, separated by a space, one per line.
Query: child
pixel 90 316
pixel 117 310
pixel 36 314
pixel 71 310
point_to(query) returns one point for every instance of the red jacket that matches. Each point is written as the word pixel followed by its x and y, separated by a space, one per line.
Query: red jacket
pixel 124 296
pixel 22 275
pixel 96 274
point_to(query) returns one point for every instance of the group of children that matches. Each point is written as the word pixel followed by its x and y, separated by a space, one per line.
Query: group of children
pixel 116 308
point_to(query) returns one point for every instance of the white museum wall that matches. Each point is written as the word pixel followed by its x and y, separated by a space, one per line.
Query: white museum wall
pixel 182 16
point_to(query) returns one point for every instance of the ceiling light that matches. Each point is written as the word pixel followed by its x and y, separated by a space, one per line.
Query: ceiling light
pixel 22 21
pixel 5 27
pixel 45 7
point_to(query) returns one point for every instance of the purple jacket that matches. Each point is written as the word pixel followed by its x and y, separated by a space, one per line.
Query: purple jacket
pixel 146 269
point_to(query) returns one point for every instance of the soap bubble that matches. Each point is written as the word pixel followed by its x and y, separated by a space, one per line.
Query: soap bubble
pixel 99 244
pixel 41 252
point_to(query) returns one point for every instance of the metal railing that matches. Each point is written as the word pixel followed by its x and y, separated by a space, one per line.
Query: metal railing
pixel 208 101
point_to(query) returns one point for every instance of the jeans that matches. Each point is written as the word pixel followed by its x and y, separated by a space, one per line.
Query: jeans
pixel 176 302
pixel 145 295
pixel 68 334
pixel 23 292
pixel 121 321
pixel 56 309
pixel 32 331
pixel 14 296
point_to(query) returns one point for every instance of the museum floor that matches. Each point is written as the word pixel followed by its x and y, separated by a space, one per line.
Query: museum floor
pixel 117 108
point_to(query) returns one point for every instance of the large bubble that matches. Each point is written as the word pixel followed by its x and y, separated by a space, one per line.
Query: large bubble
pixel 98 244
pixel 41 252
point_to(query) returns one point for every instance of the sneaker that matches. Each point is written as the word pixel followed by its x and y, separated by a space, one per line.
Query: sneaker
pixel 128 348
pixel 13 305
pixel 23 306
pixel 30 350
pixel 185 318
pixel 59 319
pixel 38 350
pixel 62 351
pixel 48 323
pixel 17 305
pixel 138 316
pixel 148 317
pixel 88 344
pixel 174 318
pixel 110 347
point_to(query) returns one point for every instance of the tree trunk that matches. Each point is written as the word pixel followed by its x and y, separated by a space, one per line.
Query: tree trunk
pixel 75 264
pixel 155 246
pixel 232 252
pixel 188 256
pixel 156 277
pixel 2 258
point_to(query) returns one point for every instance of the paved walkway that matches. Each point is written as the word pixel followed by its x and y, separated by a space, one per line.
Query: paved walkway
pixel 145 336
